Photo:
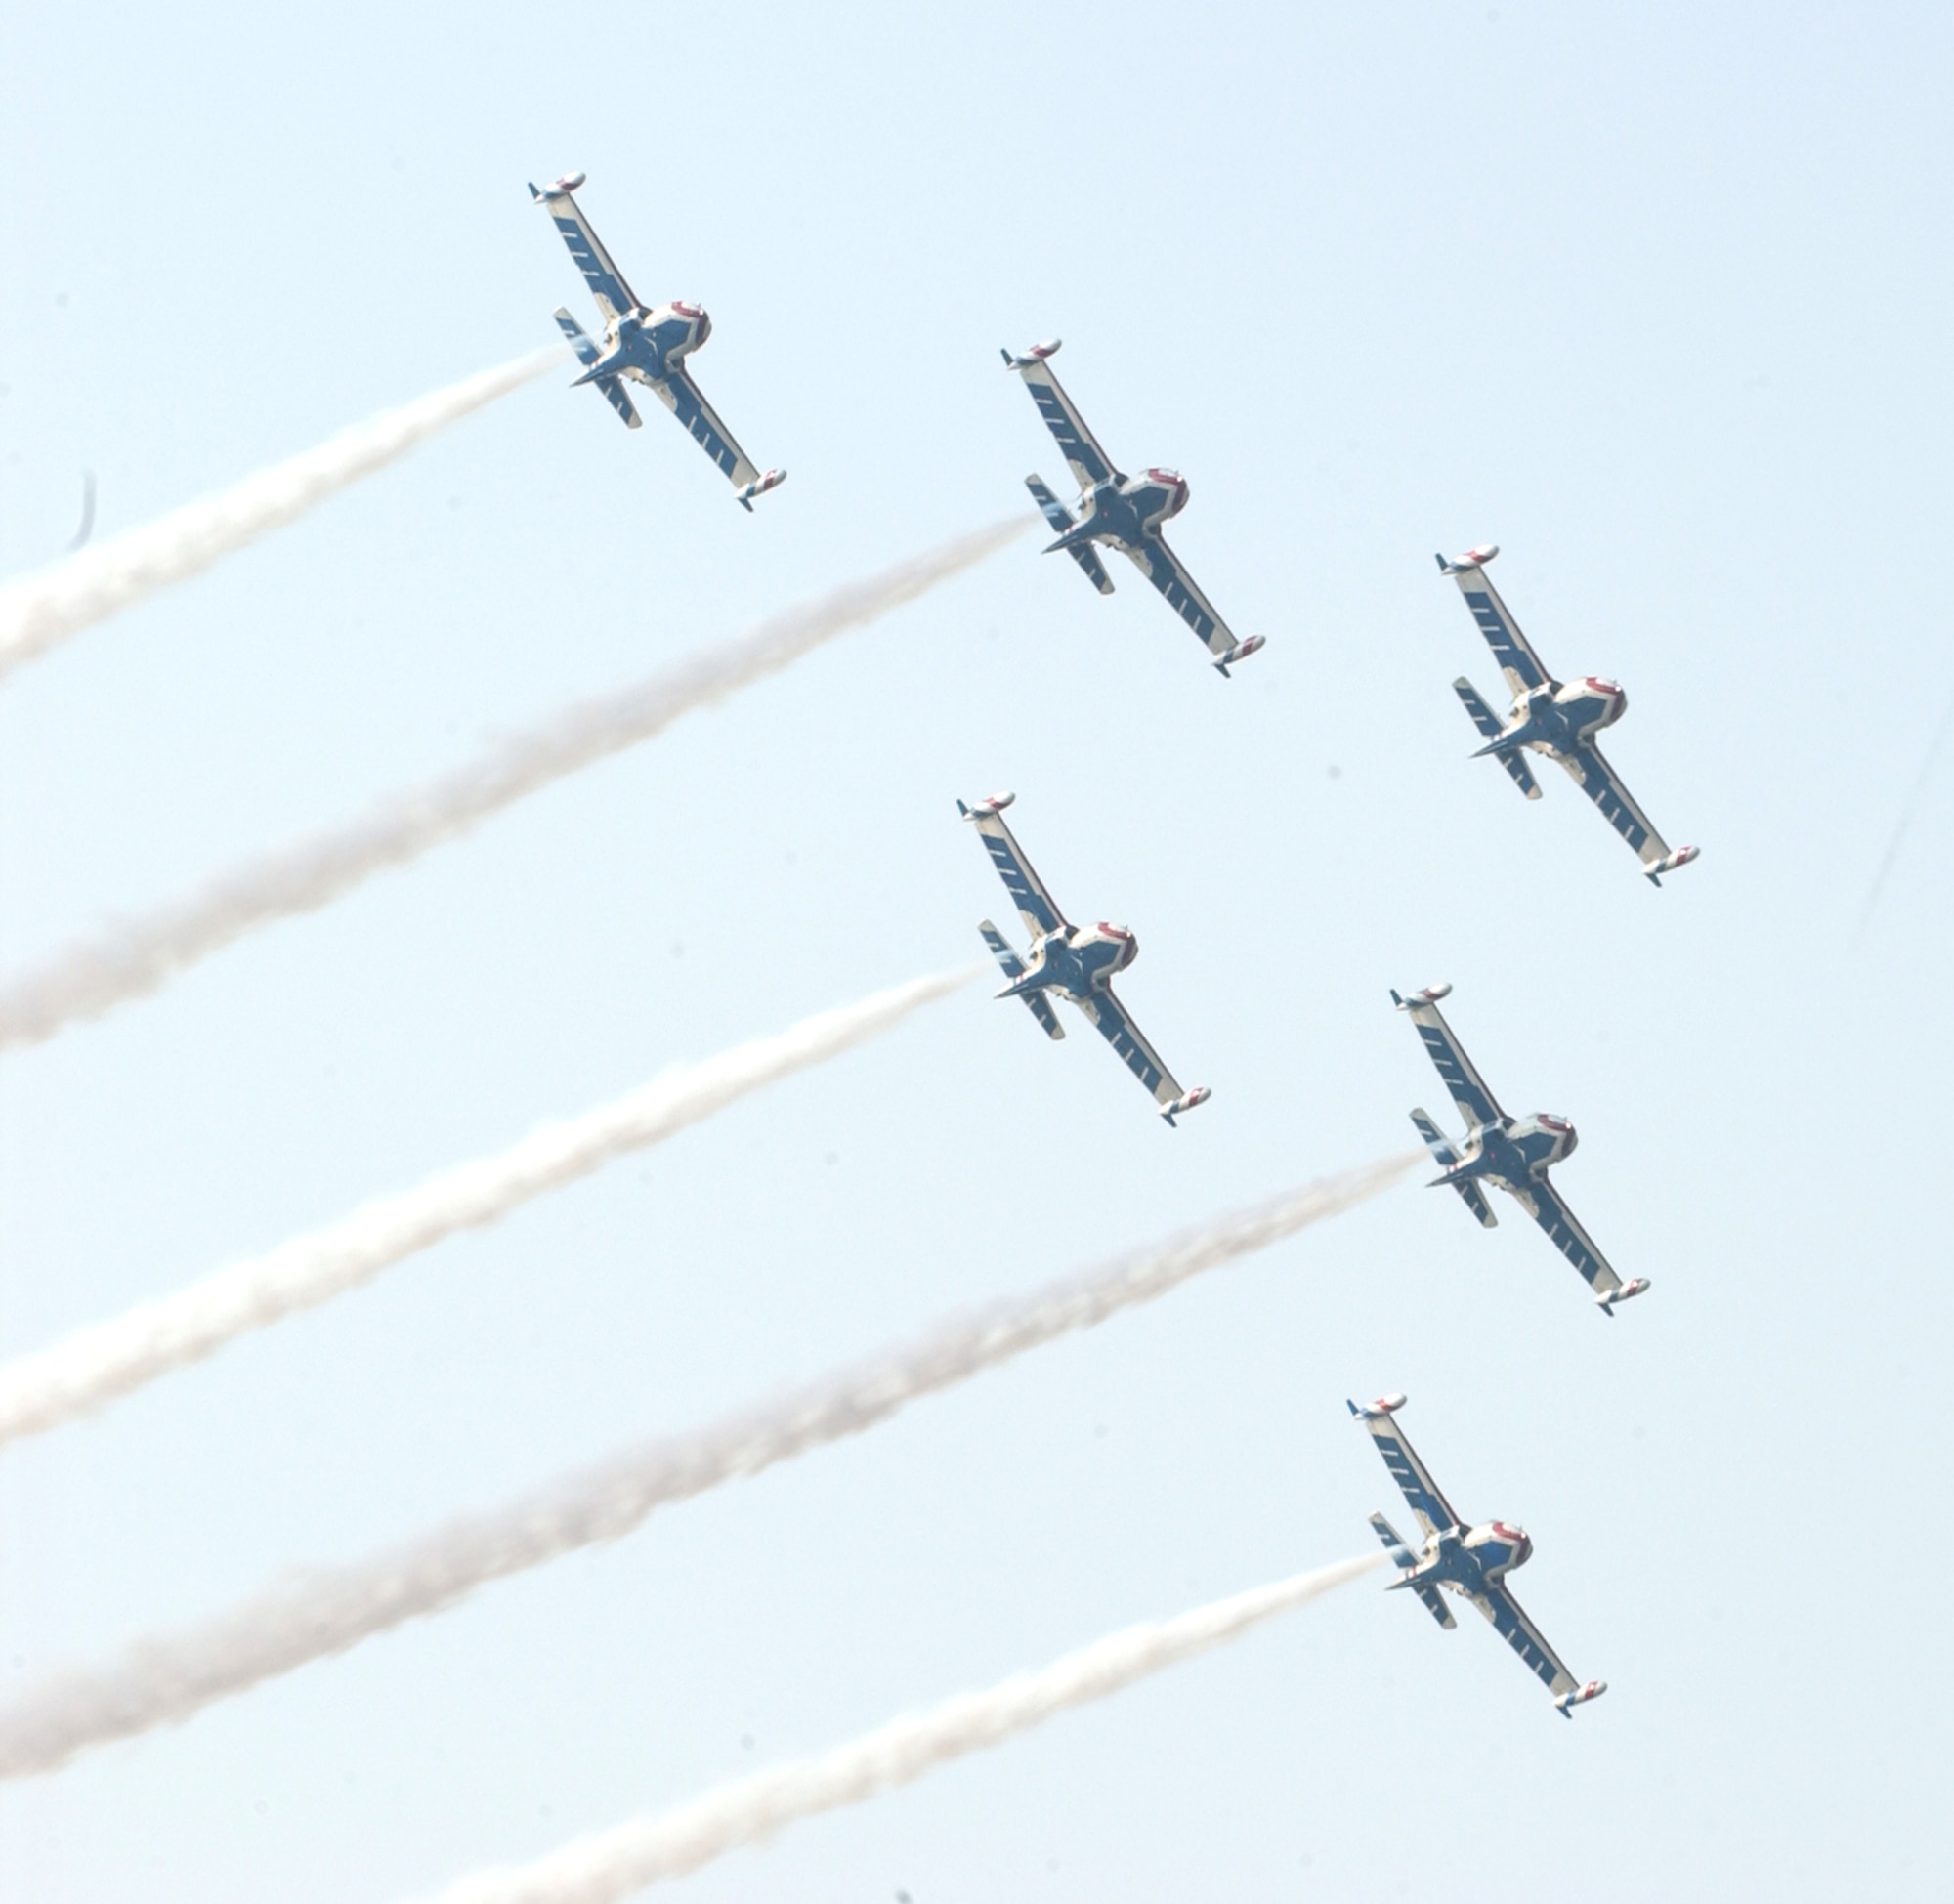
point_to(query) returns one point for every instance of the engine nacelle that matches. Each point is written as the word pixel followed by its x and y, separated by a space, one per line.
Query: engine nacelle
pixel 1567 1701
pixel 1241 652
pixel 1186 1101
pixel 1681 857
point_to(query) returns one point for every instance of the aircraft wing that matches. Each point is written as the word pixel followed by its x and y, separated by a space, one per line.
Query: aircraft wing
pixel 615 298
pixel 1117 1027
pixel 1600 783
pixel 1168 573
pixel 1547 1206
pixel 1510 648
pixel 1476 1104
pixel 1090 465
pixel 1421 1492
pixel 1510 1622
pixel 1027 890
pixel 683 399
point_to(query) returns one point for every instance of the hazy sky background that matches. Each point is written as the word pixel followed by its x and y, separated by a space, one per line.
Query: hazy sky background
pixel 1654 296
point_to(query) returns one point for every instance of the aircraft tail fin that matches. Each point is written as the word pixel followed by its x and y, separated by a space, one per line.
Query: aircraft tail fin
pixel 1445 1157
pixel 587 355
pixel 1488 723
pixel 1061 519
pixel 1013 967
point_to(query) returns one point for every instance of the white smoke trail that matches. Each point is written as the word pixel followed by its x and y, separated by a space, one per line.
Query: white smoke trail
pixel 40 611
pixel 41 1391
pixel 613 1864
pixel 313 1614
pixel 138 956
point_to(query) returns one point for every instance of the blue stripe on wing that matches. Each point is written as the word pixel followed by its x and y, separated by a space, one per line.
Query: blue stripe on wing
pixel 1455 1068
pixel 1408 1471
pixel 1023 885
pixel 1545 1206
pixel 1085 456
pixel 684 399
pixel 1126 1037
pixel 1163 567
pixel 1517 660
pixel 1603 785
pixel 586 250
pixel 1524 1637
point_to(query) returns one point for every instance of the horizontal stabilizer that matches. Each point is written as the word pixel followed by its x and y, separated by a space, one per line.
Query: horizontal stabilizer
pixel 580 338
pixel 1401 1555
pixel 1445 1157
pixel 1013 967
pixel 1435 1606
pixel 586 354
pixel 1488 723
pixel 1061 519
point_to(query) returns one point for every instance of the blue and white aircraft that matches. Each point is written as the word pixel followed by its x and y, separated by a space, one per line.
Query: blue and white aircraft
pixel 1513 1153
pixel 1078 962
pixel 1124 512
pixel 649 346
pixel 1469 1561
pixel 1551 719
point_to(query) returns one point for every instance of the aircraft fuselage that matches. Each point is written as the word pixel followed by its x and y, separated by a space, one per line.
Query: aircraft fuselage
pixel 1470 1561
pixel 1126 509
pixel 648 345
pixel 1076 960
pixel 1557 719
pixel 1516 1151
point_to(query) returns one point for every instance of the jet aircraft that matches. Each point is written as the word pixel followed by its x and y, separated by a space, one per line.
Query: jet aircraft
pixel 1469 1561
pixel 1124 512
pixel 649 347
pixel 1551 719
pixel 1078 962
pixel 1513 1153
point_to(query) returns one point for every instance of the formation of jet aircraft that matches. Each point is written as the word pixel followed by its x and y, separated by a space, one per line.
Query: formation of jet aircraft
pixel 1557 719
pixel 1078 962
pixel 1472 1563
pixel 649 347
pixel 1513 1153
pixel 1123 512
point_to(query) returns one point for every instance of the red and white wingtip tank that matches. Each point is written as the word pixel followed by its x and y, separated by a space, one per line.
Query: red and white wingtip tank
pixel 1567 1701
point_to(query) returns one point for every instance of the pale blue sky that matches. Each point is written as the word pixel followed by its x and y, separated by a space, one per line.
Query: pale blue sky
pixel 1656 296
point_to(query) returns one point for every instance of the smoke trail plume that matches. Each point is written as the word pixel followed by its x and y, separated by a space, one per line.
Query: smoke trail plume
pixel 41 611
pixel 43 1390
pixel 138 956
pixel 613 1864
pixel 313 1614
